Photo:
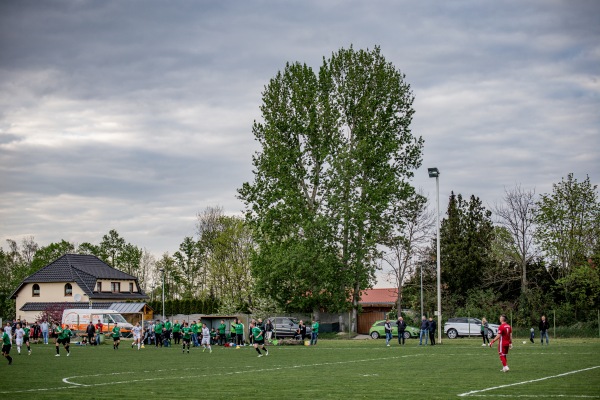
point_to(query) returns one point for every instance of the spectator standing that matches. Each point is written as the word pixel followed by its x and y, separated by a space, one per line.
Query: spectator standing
pixel 221 329
pixel 485 329
pixel 424 332
pixel 99 327
pixel 301 331
pixel 195 332
pixel 544 326
pixel 167 332
pixel 315 332
pixel 90 330
pixel 268 330
pixel 388 331
pixel 239 333
pixel 432 326
pixel 45 330
pixel 176 332
pixel 158 333
pixel 35 332
pixel 401 329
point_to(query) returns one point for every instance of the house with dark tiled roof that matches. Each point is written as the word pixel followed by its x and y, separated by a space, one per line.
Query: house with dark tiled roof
pixel 75 281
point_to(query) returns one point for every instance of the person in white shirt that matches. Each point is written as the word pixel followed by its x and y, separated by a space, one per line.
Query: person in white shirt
pixel 206 338
pixel 8 331
pixel 19 333
pixel 137 335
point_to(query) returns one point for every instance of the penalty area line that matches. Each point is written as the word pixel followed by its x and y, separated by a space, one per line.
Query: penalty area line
pixel 474 392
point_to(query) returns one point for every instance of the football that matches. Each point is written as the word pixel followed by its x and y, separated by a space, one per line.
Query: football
pixel 524 342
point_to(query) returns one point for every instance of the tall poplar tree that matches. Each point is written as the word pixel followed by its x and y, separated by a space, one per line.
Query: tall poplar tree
pixel 337 154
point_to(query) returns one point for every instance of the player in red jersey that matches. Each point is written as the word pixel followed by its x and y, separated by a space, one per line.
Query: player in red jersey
pixel 504 338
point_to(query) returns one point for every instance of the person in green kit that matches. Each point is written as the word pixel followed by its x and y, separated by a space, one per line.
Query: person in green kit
pixel 158 330
pixel 27 330
pixel 6 345
pixel 315 332
pixel 168 328
pixel 239 333
pixel 64 338
pixel 221 330
pixel 259 339
pixel 195 331
pixel 116 335
pixel 232 331
pixel 186 331
pixel 176 332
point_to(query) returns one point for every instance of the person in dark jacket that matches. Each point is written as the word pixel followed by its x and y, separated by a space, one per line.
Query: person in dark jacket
pixel 388 332
pixel 91 332
pixel 432 328
pixel 544 326
pixel 401 328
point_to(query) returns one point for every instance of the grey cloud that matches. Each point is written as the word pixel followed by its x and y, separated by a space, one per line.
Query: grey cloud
pixel 136 115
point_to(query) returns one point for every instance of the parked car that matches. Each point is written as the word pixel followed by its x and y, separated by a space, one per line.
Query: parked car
pixel 378 330
pixel 287 326
pixel 463 326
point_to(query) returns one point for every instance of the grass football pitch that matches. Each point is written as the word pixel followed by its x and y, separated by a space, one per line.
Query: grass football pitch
pixel 335 369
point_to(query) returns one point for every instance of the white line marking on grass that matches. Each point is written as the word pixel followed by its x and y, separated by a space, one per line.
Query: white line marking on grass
pixel 474 392
pixel 74 385
pixel 537 396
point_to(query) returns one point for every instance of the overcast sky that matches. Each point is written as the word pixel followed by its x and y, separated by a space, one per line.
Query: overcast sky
pixel 137 115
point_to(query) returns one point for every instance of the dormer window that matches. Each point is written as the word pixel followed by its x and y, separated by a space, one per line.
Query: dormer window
pixel 130 287
pixel 35 290
pixel 98 286
pixel 115 287
pixel 68 290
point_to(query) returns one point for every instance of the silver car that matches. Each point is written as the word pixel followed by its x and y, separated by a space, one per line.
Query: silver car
pixel 464 326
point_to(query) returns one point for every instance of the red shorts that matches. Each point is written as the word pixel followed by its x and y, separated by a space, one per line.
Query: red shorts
pixel 503 350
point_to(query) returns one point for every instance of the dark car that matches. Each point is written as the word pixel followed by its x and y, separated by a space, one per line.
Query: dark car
pixel 286 326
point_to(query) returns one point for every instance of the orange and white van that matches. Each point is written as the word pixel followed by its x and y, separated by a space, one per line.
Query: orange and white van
pixel 78 319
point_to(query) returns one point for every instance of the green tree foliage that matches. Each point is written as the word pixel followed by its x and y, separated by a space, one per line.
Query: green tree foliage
pixel 336 155
pixel 568 224
pixel 118 253
pixel 226 245
pixel 47 254
pixel 466 238
pixel 188 261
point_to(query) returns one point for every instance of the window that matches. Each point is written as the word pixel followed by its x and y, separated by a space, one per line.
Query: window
pixel 35 290
pixel 130 287
pixel 115 287
pixel 68 290
pixel 99 287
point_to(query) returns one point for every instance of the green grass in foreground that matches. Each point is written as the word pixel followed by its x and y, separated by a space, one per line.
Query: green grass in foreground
pixel 336 369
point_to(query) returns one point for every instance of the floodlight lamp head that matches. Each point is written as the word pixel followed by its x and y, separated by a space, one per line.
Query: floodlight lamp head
pixel 433 172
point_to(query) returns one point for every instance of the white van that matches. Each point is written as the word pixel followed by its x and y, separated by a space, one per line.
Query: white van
pixel 78 319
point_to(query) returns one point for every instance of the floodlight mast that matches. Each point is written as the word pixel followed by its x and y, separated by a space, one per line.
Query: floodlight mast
pixel 435 173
